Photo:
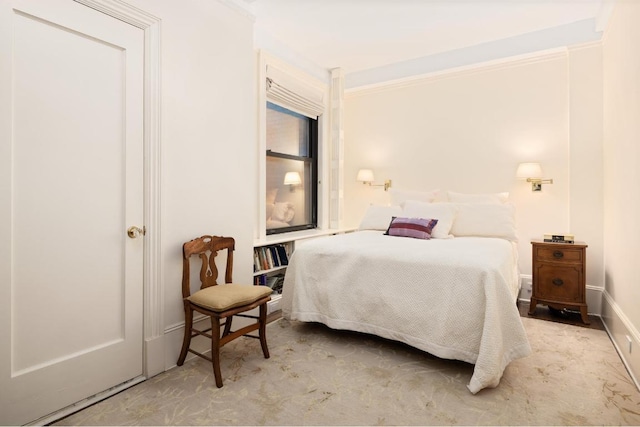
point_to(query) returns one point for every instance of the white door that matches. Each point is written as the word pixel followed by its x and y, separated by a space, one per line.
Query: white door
pixel 71 183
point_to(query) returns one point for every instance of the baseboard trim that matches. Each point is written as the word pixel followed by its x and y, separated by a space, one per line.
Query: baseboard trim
pixel 618 327
pixel 154 356
pixel 64 412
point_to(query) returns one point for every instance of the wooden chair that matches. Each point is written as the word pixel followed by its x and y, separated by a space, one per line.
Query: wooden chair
pixel 219 301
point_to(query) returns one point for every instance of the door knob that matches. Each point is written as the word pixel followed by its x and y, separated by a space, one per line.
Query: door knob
pixel 133 231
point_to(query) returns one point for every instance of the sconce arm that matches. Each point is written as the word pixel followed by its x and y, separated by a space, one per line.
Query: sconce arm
pixel 386 185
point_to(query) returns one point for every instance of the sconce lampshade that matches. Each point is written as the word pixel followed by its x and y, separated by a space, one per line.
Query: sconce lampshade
pixel 292 178
pixel 365 175
pixel 529 170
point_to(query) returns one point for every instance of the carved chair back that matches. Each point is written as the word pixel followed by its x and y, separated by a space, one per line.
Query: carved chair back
pixel 206 248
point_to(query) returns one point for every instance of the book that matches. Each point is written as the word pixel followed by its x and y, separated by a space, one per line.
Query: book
pixel 274 256
pixel 263 258
pixel 277 283
pixel 559 238
pixel 257 265
pixel 282 254
pixel 272 281
pixel 260 280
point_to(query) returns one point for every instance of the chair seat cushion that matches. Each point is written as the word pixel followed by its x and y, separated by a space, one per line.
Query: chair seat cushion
pixel 227 296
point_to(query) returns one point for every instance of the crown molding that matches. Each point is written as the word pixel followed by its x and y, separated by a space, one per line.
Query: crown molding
pixel 244 7
pixel 480 67
pixel 122 11
pixel 602 19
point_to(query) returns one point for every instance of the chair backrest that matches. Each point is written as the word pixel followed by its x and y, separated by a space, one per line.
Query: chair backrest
pixel 206 248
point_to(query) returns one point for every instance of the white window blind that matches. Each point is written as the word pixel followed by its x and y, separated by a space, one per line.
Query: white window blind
pixel 293 94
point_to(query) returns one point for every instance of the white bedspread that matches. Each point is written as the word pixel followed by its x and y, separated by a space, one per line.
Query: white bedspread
pixel 454 298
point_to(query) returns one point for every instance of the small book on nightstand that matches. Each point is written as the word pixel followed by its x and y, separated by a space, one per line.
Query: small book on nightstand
pixel 559 238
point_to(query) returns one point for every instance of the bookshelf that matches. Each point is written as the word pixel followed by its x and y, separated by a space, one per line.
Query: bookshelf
pixel 269 264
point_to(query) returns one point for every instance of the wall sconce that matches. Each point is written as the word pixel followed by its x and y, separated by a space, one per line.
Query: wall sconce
pixel 292 179
pixel 366 177
pixel 532 172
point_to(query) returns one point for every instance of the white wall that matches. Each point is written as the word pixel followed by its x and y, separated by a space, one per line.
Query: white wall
pixel 467 130
pixel 208 138
pixel 585 159
pixel 621 305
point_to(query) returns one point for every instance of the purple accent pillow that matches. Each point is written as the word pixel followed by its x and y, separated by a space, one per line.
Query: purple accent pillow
pixel 418 228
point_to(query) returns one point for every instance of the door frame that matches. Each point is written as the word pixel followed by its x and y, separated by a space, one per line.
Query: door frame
pixel 153 295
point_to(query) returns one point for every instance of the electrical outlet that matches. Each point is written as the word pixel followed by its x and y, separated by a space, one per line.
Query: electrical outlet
pixel 630 341
pixel 527 284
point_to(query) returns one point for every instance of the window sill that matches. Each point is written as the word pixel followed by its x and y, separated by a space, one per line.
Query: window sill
pixel 299 235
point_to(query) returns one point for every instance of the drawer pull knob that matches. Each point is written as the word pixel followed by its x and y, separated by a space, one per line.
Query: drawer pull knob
pixel 558 254
pixel 557 282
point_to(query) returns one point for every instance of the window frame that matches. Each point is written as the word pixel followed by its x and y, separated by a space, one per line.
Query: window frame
pixel 312 159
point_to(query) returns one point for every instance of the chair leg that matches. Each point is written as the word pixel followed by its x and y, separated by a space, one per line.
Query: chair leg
pixel 186 341
pixel 227 326
pixel 215 349
pixel 263 330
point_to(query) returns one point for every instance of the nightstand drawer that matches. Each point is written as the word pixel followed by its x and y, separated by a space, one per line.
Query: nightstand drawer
pixel 559 254
pixel 559 283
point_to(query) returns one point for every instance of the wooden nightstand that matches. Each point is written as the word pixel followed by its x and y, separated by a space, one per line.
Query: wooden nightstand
pixel 559 276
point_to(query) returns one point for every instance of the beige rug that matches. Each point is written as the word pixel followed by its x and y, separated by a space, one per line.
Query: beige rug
pixel 317 376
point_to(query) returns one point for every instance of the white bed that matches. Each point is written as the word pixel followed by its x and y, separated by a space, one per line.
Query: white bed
pixel 454 298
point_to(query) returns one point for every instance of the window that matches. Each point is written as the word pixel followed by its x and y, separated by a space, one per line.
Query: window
pixel 291 170
pixel 291 134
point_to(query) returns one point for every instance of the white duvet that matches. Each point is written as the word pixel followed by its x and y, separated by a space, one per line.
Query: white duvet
pixel 454 298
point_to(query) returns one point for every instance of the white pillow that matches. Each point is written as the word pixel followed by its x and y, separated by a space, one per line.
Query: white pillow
pixel 478 198
pixel 485 220
pixel 398 197
pixel 269 209
pixel 283 211
pixel 271 195
pixel 443 212
pixel 379 217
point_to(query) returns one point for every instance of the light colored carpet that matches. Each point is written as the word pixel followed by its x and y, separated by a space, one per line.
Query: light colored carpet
pixel 317 376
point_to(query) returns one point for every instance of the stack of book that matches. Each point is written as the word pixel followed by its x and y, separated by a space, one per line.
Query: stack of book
pixel 559 238
pixel 274 282
pixel 268 257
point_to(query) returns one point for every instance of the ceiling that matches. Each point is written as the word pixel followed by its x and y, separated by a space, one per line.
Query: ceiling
pixel 373 40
